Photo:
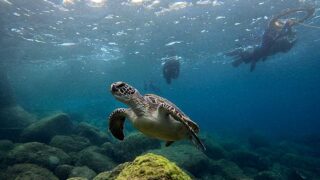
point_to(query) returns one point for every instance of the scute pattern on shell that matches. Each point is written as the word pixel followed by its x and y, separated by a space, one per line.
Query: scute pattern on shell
pixel 155 101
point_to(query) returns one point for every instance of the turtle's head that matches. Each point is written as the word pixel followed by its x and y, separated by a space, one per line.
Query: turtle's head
pixel 124 92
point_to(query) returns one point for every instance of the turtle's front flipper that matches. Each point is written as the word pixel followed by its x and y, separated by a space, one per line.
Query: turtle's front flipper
pixel 116 122
pixel 165 108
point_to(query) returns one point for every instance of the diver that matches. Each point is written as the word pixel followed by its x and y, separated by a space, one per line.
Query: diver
pixel 171 69
pixel 279 36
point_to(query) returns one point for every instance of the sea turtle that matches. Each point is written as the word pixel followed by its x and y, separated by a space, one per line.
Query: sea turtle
pixel 153 115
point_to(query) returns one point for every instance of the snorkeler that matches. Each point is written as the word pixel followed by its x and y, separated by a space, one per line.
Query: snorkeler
pixel 278 37
pixel 171 69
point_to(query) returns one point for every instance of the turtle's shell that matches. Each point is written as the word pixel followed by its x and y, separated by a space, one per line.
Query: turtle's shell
pixel 155 100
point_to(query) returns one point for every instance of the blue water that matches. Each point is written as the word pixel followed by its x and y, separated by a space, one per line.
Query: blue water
pixel 61 56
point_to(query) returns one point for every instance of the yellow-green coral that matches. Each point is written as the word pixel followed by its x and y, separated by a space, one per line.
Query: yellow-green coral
pixel 151 167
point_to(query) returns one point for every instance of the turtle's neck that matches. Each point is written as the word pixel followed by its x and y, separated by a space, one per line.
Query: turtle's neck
pixel 138 104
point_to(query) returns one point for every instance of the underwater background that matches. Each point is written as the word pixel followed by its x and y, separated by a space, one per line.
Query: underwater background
pixel 58 59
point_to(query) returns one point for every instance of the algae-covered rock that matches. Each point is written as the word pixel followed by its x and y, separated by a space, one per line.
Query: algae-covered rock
pixel 249 159
pixel 151 166
pixel 133 146
pixel 13 120
pixel 28 172
pixel 92 133
pixel 83 172
pixel 6 145
pixel 38 153
pixel 63 171
pixel 213 149
pixel 187 157
pixel 113 174
pixel 302 162
pixel 267 175
pixel 230 170
pixel 77 178
pixel 94 158
pixel 70 143
pixel 45 129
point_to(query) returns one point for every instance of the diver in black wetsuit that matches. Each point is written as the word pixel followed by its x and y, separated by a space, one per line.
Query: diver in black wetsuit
pixel 278 37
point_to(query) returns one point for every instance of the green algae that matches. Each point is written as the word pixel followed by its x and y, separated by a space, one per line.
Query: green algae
pixel 151 166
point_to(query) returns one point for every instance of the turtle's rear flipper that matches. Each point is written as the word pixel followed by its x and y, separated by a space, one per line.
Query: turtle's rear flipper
pixel 196 141
pixel 116 122
pixel 167 109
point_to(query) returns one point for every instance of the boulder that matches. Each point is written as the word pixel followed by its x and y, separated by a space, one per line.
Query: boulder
pixel 38 153
pixel 187 157
pixel 28 171
pixel 45 129
pixel 146 167
pixel 95 136
pixel 70 143
pixel 94 158
pixel 13 120
pixel 83 172
pixel 213 149
pixel 229 170
pixel 250 159
pixel 6 145
pixel 267 175
pixel 132 146
pixel 301 162
pixel 63 171
pixel 77 178
pixel 151 166
pixel 113 174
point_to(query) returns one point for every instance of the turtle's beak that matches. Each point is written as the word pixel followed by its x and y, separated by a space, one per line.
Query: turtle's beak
pixel 113 88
